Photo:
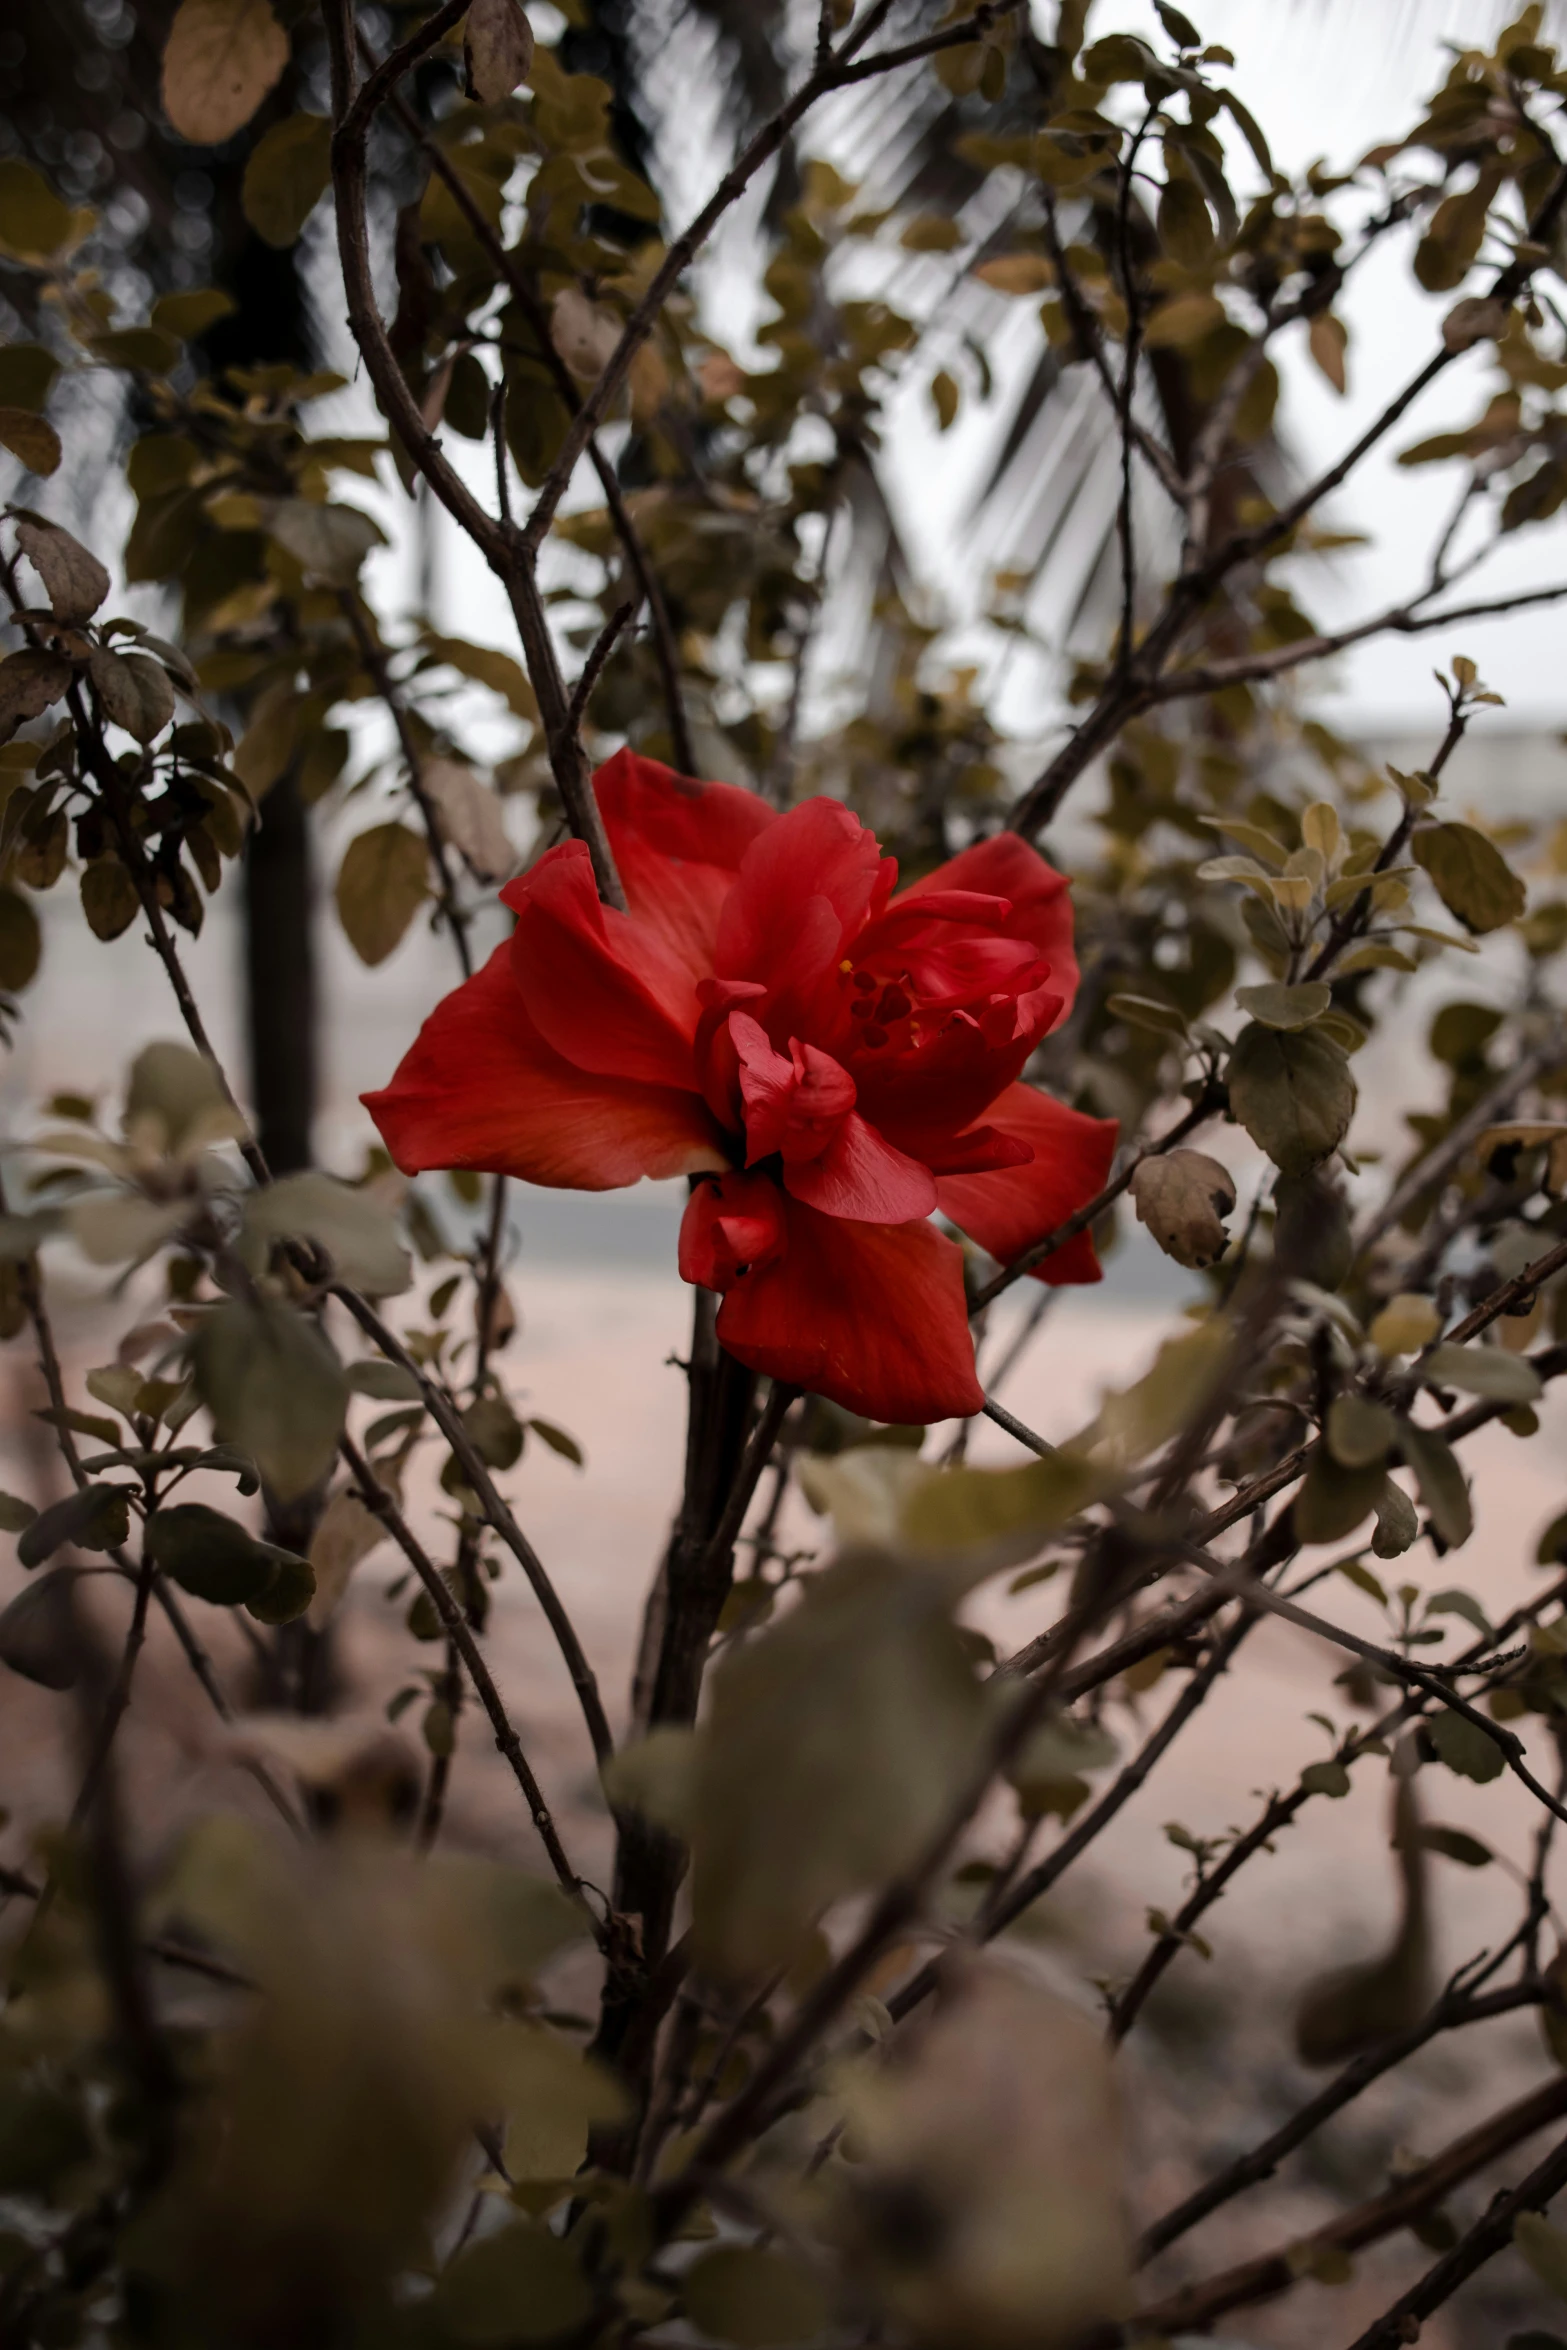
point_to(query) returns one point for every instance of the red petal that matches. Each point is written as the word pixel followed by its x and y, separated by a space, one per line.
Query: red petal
pixel 805 887
pixel 479 1087
pixel 649 810
pixel 729 1227
pixel 870 1315
pixel 1041 905
pixel 955 1075
pixel 860 1175
pixel 1008 1211
pixel 597 983
pixel 977 1151
pixel 678 845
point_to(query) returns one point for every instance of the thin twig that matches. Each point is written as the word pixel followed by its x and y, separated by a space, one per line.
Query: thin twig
pixel 455 1624
pixel 1485 2239
pixel 453 912
pixel 593 668
pixel 498 542
pixel 1280 1810
pixel 1196 2306
pixel 525 294
pixel 447 1418
pixel 1455 2008
pixel 836 73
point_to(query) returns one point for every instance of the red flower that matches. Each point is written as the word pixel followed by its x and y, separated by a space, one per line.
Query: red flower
pixel 829 1061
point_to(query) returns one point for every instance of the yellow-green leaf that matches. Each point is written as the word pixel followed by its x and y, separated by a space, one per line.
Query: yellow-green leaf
pixel 944 397
pixel 34 222
pixel 382 882
pixel 1472 878
pixel 286 177
pixel 32 439
pixel 21 941
pixel 1293 1093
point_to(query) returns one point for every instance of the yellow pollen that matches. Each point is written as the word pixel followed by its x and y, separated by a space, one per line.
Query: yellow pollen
pixel 846 964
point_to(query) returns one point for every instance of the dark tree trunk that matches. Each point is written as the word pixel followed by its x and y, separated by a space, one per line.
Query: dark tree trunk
pixel 280 978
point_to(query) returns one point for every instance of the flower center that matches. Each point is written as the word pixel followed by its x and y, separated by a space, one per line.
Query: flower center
pixel 881 1009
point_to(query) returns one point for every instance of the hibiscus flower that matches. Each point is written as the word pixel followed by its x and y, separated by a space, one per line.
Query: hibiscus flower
pixel 828 1062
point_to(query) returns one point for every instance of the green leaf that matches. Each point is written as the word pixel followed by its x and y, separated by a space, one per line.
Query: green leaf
pixel 1142 1011
pixel 656 1777
pixel 488 667
pixel 964 1522
pixel 96 1518
pixel 1251 132
pixel 1485 1371
pixel 189 314
pixel 1359 1431
pixel 43 2134
pixel 1286 1007
pixel 274 1387
pixel 496 1431
pixel 1061 1748
pixel 74 580
pixel 143 349
pixel 15 1515
pixel 744 2294
pixel 1334 1500
pixel 286 176
pixel 1461 1603
pixel 1472 878
pixel 1326 1778
pixel 39 1635
pixel 1293 1094
pixel 134 690
pixel 1253 837
pixel 1465 1748
pixel 1183 320
pixel 558 1440
pixel 1456 1844
pixel 1180 28
pixel 1441 1481
pixel 327 542
pixel 290 1592
pixel 216 1559
pixel 1357 1572
pixel 109 898
pixel 1405 1324
pixel 387 1382
pixel 32 439
pixel 521 2284
pixel 33 220
pixel 30 683
pixel 836 1742
pixel 21 941
pixel 27 370
pixel 1545 2249
pixel 944 398
pixel 383 881
pixel 555 2096
pixel 357 1233
pixel 181 1090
